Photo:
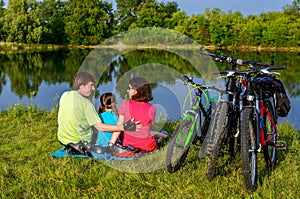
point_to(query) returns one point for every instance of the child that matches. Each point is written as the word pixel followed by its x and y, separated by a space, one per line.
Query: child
pixel 109 115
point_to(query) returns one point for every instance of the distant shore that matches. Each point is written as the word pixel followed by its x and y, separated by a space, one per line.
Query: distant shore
pixel 4 46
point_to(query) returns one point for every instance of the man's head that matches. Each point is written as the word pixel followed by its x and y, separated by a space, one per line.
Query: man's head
pixel 84 83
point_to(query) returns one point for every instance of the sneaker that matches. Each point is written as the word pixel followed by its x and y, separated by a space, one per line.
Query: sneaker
pixel 162 134
pixel 116 149
pixel 100 150
pixel 79 149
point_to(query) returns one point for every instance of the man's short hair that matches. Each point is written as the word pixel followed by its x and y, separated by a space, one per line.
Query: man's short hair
pixel 82 78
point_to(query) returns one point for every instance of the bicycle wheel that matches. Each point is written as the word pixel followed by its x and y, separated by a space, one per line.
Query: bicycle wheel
pixel 209 139
pixel 179 145
pixel 249 149
pixel 233 133
pixel 219 131
pixel 269 149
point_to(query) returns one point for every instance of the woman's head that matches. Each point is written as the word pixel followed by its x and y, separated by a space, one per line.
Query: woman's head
pixel 139 90
pixel 108 102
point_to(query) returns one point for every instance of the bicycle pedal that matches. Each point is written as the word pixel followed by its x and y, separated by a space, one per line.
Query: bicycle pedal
pixel 280 145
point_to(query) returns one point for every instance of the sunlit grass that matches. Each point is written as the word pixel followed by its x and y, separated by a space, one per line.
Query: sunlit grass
pixel 28 137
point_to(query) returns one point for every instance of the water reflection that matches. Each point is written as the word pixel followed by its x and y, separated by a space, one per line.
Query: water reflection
pixel 39 77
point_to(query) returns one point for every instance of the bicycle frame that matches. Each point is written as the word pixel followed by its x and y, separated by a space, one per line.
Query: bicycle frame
pixel 194 112
pixel 260 115
pixel 265 113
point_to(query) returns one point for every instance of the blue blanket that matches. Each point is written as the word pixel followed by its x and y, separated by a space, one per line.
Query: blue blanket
pixel 128 155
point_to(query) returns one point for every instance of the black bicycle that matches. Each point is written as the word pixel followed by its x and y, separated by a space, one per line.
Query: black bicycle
pixel 225 125
pixel 259 119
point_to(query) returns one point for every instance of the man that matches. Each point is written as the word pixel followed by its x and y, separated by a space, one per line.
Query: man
pixel 77 116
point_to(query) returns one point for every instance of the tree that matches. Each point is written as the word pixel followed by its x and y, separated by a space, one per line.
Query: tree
pixel 217 28
pixel 2 17
pixel 87 21
pixel 292 9
pixel 177 21
pixel 126 12
pixel 52 14
pixel 166 11
pixel 252 31
pixel 196 27
pixel 154 14
pixel 21 23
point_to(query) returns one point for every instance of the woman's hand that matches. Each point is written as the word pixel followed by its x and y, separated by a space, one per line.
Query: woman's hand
pixel 130 125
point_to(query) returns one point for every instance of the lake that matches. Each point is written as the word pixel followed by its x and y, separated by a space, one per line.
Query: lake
pixel 40 77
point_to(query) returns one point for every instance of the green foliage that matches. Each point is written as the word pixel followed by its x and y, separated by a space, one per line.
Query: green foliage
pixel 28 135
pixel 126 12
pixel 52 14
pixel 21 22
pixel 89 22
pixel 153 14
pixel 86 22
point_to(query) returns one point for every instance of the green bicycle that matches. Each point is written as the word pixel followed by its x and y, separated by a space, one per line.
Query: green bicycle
pixel 193 124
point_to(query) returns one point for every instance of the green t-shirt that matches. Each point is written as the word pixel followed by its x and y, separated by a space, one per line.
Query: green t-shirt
pixel 76 115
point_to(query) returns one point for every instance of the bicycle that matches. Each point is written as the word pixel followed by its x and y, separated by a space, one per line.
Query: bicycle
pixel 193 125
pixel 225 125
pixel 259 120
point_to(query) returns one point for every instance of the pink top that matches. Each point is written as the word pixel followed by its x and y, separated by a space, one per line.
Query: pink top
pixel 145 113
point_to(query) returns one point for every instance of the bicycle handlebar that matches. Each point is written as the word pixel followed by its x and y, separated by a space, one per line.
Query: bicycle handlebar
pixel 265 70
pixel 188 79
pixel 217 57
pixel 251 64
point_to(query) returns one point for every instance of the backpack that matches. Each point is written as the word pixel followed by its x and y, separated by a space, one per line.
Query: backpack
pixel 282 101
pixel 274 87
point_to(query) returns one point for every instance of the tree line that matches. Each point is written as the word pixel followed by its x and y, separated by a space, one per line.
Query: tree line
pixel 90 22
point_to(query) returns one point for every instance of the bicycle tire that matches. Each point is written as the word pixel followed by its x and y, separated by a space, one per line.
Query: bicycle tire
pixel 233 134
pixel 249 148
pixel 270 151
pixel 219 131
pixel 204 128
pixel 178 146
pixel 208 142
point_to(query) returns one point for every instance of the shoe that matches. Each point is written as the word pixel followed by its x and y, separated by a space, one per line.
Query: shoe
pixel 116 149
pixel 100 150
pixel 78 149
pixel 161 135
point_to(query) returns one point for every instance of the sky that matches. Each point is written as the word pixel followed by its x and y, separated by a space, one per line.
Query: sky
pixel 246 7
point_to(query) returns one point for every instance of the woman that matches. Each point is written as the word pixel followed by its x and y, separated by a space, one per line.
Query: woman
pixel 139 108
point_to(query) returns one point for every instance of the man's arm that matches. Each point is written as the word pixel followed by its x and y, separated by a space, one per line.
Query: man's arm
pixel 130 125
pixel 108 127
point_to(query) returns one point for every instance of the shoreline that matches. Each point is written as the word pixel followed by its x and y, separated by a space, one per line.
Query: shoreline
pixel 4 47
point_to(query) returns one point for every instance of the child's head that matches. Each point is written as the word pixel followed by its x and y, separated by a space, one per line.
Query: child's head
pixel 141 89
pixel 107 102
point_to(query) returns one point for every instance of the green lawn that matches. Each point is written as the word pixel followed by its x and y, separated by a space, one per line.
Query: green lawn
pixel 28 136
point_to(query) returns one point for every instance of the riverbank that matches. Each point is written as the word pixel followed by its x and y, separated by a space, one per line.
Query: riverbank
pixel 4 46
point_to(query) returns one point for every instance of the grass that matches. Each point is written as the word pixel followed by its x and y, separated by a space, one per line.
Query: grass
pixel 28 136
